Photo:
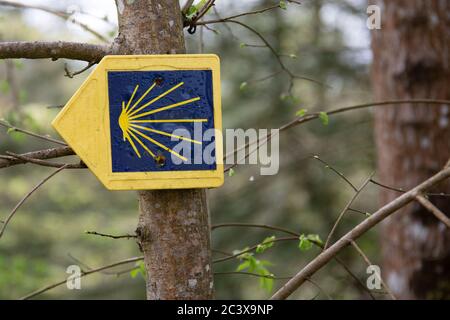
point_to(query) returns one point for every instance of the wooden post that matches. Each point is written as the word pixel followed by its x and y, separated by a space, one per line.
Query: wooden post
pixel 173 230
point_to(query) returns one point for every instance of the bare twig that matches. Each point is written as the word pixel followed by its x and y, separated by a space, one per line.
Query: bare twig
pixel 37 155
pixel 313 116
pixel 45 163
pixel 433 209
pixel 239 15
pixel 400 190
pixel 252 225
pixel 340 174
pixel 22 201
pixel 109 273
pixel 328 254
pixel 83 274
pixel 125 236
pixel 275 228
pixel 348 205
pixel 71 74
pixel 60 14
pixel 252 274
pixel 253 248
pixel 32 134
pixel 366 259
pixel 204 10
pixel 53 50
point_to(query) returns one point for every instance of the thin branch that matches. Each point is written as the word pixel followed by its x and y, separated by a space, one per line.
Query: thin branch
pixel 204 10
pixel 84 265
pixel 328 254
pixel 60 14
pixel 71 74
pixel 363 255
pixel 313 116
pixel 400 190
pixel 32 134
pixel 38 155
pixel 83 274
pixel 251 274
pixel 239 15
pixel 315 284
pixel 340 174
pixel 22 201
pixel 275 228
pixel 253 248
pixel 271 277
pixel 275 53
pixel 252 225
pixel 125 236
pixel 45 163
pixel 53 50
pixel 433 209
pixel 367 214
pixel 348 205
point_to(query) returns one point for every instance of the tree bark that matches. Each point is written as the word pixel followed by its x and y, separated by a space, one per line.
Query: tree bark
pixel 412 60
pixel 174 229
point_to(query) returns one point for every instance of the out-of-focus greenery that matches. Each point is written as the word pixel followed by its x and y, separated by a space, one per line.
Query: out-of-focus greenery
pixel 48 232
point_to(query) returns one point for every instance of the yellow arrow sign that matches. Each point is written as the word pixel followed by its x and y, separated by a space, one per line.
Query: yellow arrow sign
pixel 149 122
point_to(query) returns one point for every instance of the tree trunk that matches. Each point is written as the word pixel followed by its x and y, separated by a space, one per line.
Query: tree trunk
pixel 173 231
pixel 412 60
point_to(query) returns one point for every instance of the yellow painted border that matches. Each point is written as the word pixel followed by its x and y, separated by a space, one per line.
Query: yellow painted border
pixel 98 159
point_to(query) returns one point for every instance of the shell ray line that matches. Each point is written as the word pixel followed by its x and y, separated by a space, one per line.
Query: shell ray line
pixel 133 145
pixel 142 144
pixel 156 99
pixel 158 144
pixel 168 120
pixel 164 133
pixel 141 98
pixel 132 97
pixel 178 104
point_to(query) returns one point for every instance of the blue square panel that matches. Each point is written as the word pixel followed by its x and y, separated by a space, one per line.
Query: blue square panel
pixel 146 107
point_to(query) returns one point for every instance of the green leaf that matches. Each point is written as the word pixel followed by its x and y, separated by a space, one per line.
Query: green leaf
pixel 134 272
pixel 266 244
pixel 282 4
pixel 324 118
pixel 140 269
pixel 242 45
pixel 201 4
pixel 301 112
pixel 293 56
pixel 191 12
pixel 243 255
pixel 253 265
pixel 244 265
pixel 264 281
pixel 10 130
pixel 315 238
pixel 231 172
pixel 305 244
pixel 243 85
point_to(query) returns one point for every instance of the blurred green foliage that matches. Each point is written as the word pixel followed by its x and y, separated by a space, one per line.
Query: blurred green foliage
pixel 48 232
